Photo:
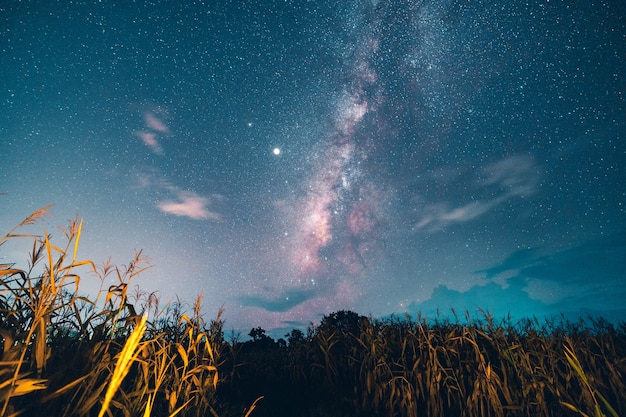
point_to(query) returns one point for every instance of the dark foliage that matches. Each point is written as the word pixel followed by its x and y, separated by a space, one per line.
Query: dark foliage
pixel 351 365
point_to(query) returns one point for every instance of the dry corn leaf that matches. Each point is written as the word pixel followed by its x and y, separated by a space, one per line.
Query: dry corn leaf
pixel 183 354
pixel 27 385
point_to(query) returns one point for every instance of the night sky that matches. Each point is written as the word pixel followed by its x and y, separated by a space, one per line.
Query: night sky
pixel 292 158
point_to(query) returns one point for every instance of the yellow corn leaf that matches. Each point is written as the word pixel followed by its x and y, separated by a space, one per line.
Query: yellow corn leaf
pixel 27 385
pixel 172 400
pixel 40 345
pixel 573 408
pixel 184 317
pixel 215 379
pixel 207 346
pixel 121 407
pixel 85 262
pixel 183 354
pixel 50 263
pixel 573 361
pixel 88 403
pixel 79 263
pixel 124 361
pixel 178 410
pixel 80 228
pixel 4 272
pixel 253 406
pixel 202 368
pixel 66 388
pixel 148 410
pixel 5 384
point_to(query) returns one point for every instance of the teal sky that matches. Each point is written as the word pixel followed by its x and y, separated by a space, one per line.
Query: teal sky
pixel 288 159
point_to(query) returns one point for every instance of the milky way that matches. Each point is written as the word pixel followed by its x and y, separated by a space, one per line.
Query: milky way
pixel 334 223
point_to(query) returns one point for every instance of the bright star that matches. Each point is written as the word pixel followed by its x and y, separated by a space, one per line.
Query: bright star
pixel 276 151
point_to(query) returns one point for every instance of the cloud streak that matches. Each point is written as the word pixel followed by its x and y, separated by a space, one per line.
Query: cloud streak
pixel 189 204
pixel 154 127
pixel 515 176
pixel 155 123
pixel 280 304
pixel 150 140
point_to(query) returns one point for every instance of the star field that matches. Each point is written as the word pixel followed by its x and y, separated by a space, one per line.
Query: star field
pixel 290 159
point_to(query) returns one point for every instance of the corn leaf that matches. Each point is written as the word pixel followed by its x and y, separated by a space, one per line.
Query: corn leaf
pixel 28 385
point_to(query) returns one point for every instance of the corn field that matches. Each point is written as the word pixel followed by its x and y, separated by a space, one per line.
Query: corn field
pixel 123 354
pixel 358 366
pixel 120 354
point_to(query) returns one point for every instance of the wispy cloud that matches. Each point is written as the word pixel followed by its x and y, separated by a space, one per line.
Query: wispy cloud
pixel 469 211
pixel 514 262
pixel 189 204
pixel 281 303
pixel 155 123
pixel 516 176
pixel 172 199
pixel 151 178
pixel 150 139
pixel 149 136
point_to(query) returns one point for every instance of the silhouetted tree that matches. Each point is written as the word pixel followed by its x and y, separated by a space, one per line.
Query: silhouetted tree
pixel 260 339
pixel 344 322
pixel 257 334
pixel 296 337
